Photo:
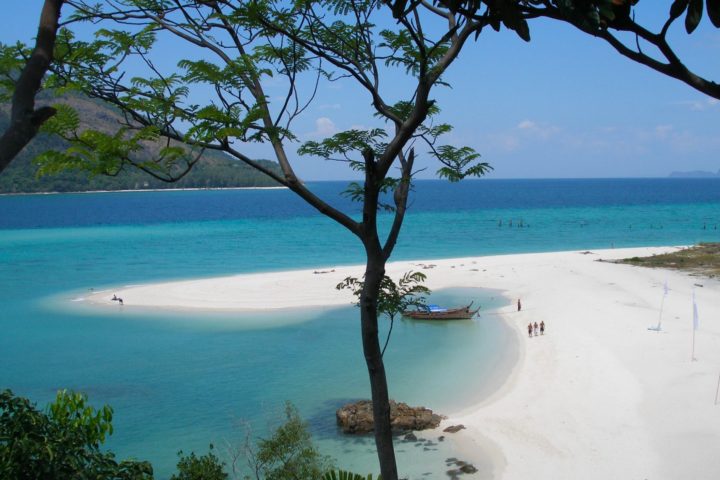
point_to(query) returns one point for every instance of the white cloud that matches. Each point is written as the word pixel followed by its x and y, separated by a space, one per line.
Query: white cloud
pixel 700 105
pixel 663 131
pixel 324 127
pixel 524 135
pixel 526 125
pixel 540 130
pixel 499 141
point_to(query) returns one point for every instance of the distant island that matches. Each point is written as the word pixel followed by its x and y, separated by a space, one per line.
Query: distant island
pixel 695 174
pixel 214 170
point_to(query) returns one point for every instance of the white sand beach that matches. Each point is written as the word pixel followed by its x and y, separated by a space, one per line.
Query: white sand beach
pixel 599 396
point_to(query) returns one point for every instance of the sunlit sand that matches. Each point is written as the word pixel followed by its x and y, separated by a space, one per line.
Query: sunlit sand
pixel 598 396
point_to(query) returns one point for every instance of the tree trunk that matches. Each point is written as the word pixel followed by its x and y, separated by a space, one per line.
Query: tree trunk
pixel 25 121
pixel 374 273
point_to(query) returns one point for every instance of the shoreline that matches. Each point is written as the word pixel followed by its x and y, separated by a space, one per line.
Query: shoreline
pixel 188 189
pixel 598 396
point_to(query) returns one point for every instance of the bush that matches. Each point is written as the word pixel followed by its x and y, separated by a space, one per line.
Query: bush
pixel 62 442
pixel 206 467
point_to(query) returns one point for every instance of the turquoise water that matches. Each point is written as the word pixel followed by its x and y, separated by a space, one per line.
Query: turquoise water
pixel 185 381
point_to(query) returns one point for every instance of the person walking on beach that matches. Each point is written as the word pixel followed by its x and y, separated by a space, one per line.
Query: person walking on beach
pixel 519 305
pixel 542 327
pixel 530 330
pixel 536 328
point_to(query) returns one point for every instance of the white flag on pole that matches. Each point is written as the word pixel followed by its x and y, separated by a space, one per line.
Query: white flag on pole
pixel 696 320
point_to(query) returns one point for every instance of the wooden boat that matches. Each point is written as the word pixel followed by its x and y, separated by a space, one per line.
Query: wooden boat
pixel 435 312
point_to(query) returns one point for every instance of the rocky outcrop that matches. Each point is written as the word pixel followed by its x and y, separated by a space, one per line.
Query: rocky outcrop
pixel 462 468
pixel 357 417
pixel 454 428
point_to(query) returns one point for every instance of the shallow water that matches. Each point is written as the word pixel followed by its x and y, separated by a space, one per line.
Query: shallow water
pixel 181 382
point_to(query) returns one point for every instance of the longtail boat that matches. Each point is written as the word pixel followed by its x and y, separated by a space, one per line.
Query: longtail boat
pixel 436 312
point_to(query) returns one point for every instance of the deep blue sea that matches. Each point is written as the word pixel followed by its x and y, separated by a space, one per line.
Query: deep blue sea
pixel 186 381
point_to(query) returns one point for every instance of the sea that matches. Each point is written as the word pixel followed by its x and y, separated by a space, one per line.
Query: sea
pixel 185 381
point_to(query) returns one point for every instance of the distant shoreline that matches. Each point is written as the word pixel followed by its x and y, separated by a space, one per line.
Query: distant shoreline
pixel 144 190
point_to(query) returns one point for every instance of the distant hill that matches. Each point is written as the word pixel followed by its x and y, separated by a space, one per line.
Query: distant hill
pixel 695 174
pixel 214 170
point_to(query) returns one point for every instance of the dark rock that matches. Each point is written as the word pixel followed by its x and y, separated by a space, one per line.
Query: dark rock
pixel 468 468
pixel 454 428
pixel 410 437
pixel 357 417
pixel 441 438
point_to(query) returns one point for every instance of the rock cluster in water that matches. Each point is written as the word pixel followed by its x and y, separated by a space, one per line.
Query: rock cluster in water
pixel 462 468
pixel 454 428
pixel 357 417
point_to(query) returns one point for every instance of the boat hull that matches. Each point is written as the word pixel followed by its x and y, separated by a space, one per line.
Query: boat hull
pixel 462 313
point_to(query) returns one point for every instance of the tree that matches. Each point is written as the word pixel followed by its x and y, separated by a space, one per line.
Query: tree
pixel 600 17
pixel 62 442
pixel 393 298
pixel 244 44
pixel 289 453
pixel 240 47
pixel 25 119
pixel 204 467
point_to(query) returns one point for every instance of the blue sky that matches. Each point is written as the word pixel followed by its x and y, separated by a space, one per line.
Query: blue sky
pixel 564 105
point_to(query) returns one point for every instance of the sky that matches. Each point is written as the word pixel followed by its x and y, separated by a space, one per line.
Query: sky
pixel 564 105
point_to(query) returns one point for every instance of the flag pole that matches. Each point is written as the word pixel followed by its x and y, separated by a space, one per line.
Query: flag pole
pixel 658 327
pixel 695 327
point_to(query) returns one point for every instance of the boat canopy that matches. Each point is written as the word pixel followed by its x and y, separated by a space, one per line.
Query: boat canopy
pixel 436 308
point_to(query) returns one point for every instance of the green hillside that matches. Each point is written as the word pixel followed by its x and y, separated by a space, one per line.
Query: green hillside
pixel 214 170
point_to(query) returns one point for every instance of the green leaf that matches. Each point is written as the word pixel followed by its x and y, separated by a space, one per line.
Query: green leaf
pixel 694 14
pixel 65 121
pixel 606 11
pixel 523 30
pixel 678 7
pixel 713 10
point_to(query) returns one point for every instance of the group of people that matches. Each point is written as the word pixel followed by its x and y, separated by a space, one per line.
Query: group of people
pixel 117 299
pixel 534 327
